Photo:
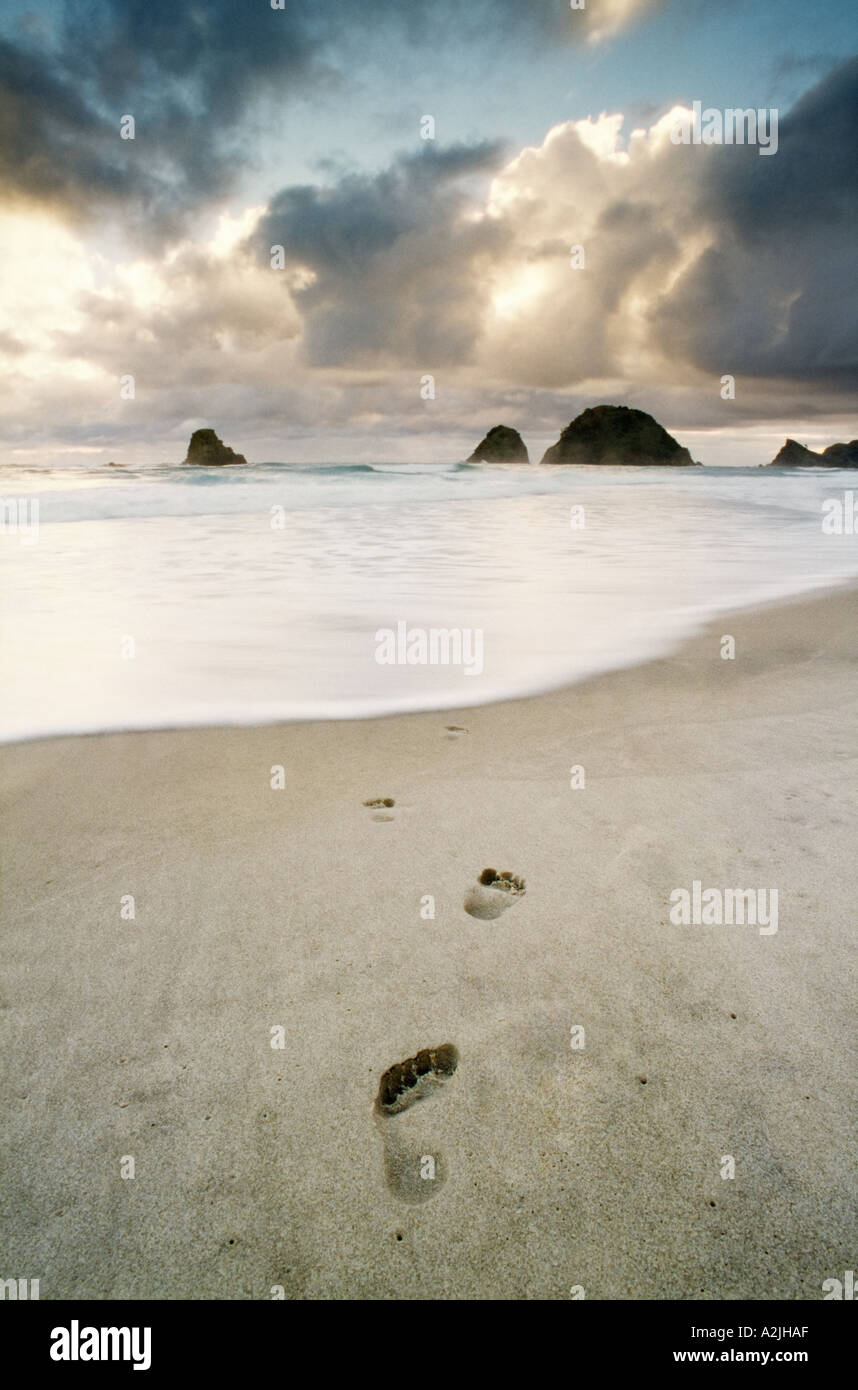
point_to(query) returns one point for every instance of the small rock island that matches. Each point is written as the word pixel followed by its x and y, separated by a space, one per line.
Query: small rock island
pixel 795 455
pixel 617 434
pixel 207 451
pixel 501 445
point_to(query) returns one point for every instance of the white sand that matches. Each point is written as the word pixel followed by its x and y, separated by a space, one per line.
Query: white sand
pixel 554 1167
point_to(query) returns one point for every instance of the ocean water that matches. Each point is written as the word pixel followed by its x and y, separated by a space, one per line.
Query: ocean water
pixel 167 597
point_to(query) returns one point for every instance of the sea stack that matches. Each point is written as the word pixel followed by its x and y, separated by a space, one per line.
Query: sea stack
pixel 841 455
pixel 501 445
pixel 795 455
pixel 616 434
pixel 207 451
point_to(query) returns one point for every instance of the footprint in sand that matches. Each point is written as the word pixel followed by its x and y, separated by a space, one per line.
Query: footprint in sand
pixel 413 1169
pixel 493 893
pixel 381 808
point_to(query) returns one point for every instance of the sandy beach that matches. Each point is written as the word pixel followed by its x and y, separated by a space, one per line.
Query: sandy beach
pixel 598 1167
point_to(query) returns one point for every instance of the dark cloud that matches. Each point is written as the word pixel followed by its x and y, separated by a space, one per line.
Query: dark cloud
pixel 193 74
pixel 53 146
pixel 395 261
pixel 813 179
pixel 187 74
pixel 774 296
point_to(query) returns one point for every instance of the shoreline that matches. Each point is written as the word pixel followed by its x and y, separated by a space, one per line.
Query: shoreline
pixel 258 909
pixel 667 647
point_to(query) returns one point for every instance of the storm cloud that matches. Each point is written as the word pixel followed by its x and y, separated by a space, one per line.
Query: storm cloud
pixel 187 74
pixel 396 266
pixel 697 260
pixel 773 294
pixel 195 77
pixel 599 262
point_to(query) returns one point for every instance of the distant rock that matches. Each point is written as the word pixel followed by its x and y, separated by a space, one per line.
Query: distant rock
pixel 501 445
pixel 795 455
pixel 207 451
pixel 616 434
pixel 842 455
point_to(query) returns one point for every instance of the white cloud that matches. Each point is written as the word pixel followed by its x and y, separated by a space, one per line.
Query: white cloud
pixel 608 17
pixel 552 322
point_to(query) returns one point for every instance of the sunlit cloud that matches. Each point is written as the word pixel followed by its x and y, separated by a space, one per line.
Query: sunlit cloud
pixel 455 261
pixel 606 18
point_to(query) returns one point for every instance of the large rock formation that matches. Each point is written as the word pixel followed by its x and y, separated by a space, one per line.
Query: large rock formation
pixel 794 455
pixel 842 455
pixel 207 451
pixel 616 434
pixel 501 445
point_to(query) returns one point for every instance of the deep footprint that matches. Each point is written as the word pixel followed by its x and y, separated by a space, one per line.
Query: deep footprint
pixel 381 807
pixel 493 893
pixel 416 1077
pixel 413 1168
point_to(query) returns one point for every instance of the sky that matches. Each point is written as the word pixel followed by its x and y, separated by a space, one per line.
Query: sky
pixel 425 170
